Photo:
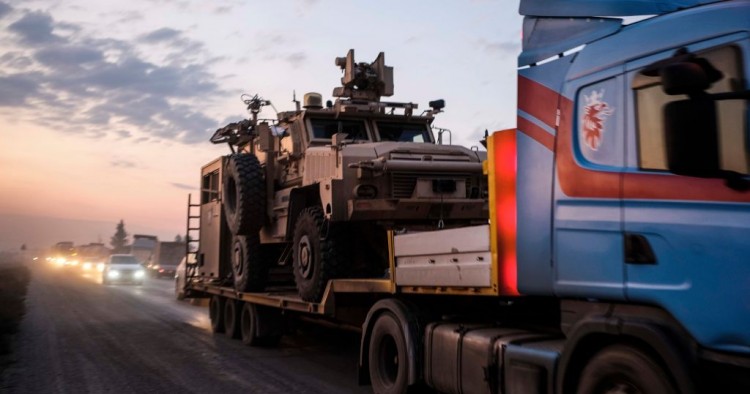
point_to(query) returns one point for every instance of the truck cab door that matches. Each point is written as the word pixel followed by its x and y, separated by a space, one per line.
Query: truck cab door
pixel 694 232
pixel 588 247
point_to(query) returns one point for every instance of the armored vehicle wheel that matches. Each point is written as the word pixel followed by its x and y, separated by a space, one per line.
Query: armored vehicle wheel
pixel 318 253
pixel 244 194
pixel 249 267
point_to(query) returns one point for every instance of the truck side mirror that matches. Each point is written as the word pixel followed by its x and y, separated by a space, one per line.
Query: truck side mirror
pixel 691 137
pixel 684 78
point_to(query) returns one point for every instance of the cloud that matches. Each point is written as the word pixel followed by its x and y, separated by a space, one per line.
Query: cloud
pixel 35 28
pixel 183 186
pixel 500 47
pixel 296 59
pixel 67 56
pixel 15 60
pixel 160 35
pixel 4 9
pixel 122 164
pixel 18 88
pixel 124 134
pixel 84 83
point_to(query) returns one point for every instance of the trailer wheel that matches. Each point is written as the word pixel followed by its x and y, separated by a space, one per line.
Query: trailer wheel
pixel 216 314
pixel 624 369
pixel 244 194
pixel 232 310
pixel 249 265
pixel 388 360
pixel 317 253
pixel 259 326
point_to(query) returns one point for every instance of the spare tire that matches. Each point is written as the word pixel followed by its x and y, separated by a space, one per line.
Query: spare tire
pixel 244 194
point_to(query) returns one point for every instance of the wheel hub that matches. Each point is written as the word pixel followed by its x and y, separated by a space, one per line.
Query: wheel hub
pixel 237 259
pixel 305 257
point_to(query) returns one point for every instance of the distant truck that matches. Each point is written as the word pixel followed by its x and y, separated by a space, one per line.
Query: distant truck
pixel 143 248
pixel 615 257
pixel 167 257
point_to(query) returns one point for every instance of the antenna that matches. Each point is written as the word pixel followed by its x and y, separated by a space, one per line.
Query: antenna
pixel 295 101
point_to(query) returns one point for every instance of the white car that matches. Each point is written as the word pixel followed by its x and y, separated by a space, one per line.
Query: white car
pixel 121 268
pixel 179 277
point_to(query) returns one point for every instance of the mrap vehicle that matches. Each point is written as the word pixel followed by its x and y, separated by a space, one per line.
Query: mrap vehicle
pixel 615 259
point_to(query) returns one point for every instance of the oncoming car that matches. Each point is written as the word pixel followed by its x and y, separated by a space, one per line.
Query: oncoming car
pixel 121 268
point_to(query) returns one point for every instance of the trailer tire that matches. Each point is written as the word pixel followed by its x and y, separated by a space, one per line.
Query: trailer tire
pixel 624 368
pixel 232 310
pixel 259 325
pixel 249 265
pixel 216 314
pixel 244 194
pixel 318 252
pixel 388 356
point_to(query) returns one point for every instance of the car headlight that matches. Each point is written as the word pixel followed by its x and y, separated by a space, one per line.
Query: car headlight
pixel 113 274
pixel 86 266
pixel 139 274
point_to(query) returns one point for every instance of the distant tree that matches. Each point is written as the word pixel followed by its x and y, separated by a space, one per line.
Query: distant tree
pixel 119 241
pixel 178 238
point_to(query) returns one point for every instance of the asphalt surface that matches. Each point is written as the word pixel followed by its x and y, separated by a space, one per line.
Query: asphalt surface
pixel 80 336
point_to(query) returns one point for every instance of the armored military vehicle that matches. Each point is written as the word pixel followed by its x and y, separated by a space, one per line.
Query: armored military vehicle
pixel 316 189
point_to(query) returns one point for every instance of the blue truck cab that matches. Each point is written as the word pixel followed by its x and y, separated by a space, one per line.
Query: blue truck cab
pixel 633 180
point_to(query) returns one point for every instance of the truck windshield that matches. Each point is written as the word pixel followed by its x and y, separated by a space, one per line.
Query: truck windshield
pixel 123 260
pixel 326 128
pixel 404 132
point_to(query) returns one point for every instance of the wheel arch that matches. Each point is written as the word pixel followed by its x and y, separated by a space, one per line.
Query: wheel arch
pixel 299 199
pixel 411 327
pixel 656 339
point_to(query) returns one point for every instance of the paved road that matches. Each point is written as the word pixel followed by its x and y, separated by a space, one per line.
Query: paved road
pixel 80 336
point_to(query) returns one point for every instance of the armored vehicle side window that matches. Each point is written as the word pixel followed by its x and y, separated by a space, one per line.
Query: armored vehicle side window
pixel 326 128
pixel 731 114
pixel 210 187
pixel 404 132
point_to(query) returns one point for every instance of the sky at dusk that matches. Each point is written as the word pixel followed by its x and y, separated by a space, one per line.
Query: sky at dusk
pixel 106 106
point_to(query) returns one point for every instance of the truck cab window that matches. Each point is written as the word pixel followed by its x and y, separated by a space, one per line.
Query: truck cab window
pixel 404 132
pixel 731 114
pixel 326 128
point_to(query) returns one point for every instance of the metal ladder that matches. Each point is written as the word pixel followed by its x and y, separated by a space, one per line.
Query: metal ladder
pixel 193 226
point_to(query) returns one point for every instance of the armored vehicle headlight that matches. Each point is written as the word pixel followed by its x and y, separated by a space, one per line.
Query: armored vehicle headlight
pixel 366 191
pixel 113 274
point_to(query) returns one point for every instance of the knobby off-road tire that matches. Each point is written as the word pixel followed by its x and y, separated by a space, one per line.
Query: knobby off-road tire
pixel 624 369
pixel 244 194
pixel 319 253
pixel 249 263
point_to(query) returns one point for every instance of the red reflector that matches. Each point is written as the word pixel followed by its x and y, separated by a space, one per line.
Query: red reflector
pixel 505 156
